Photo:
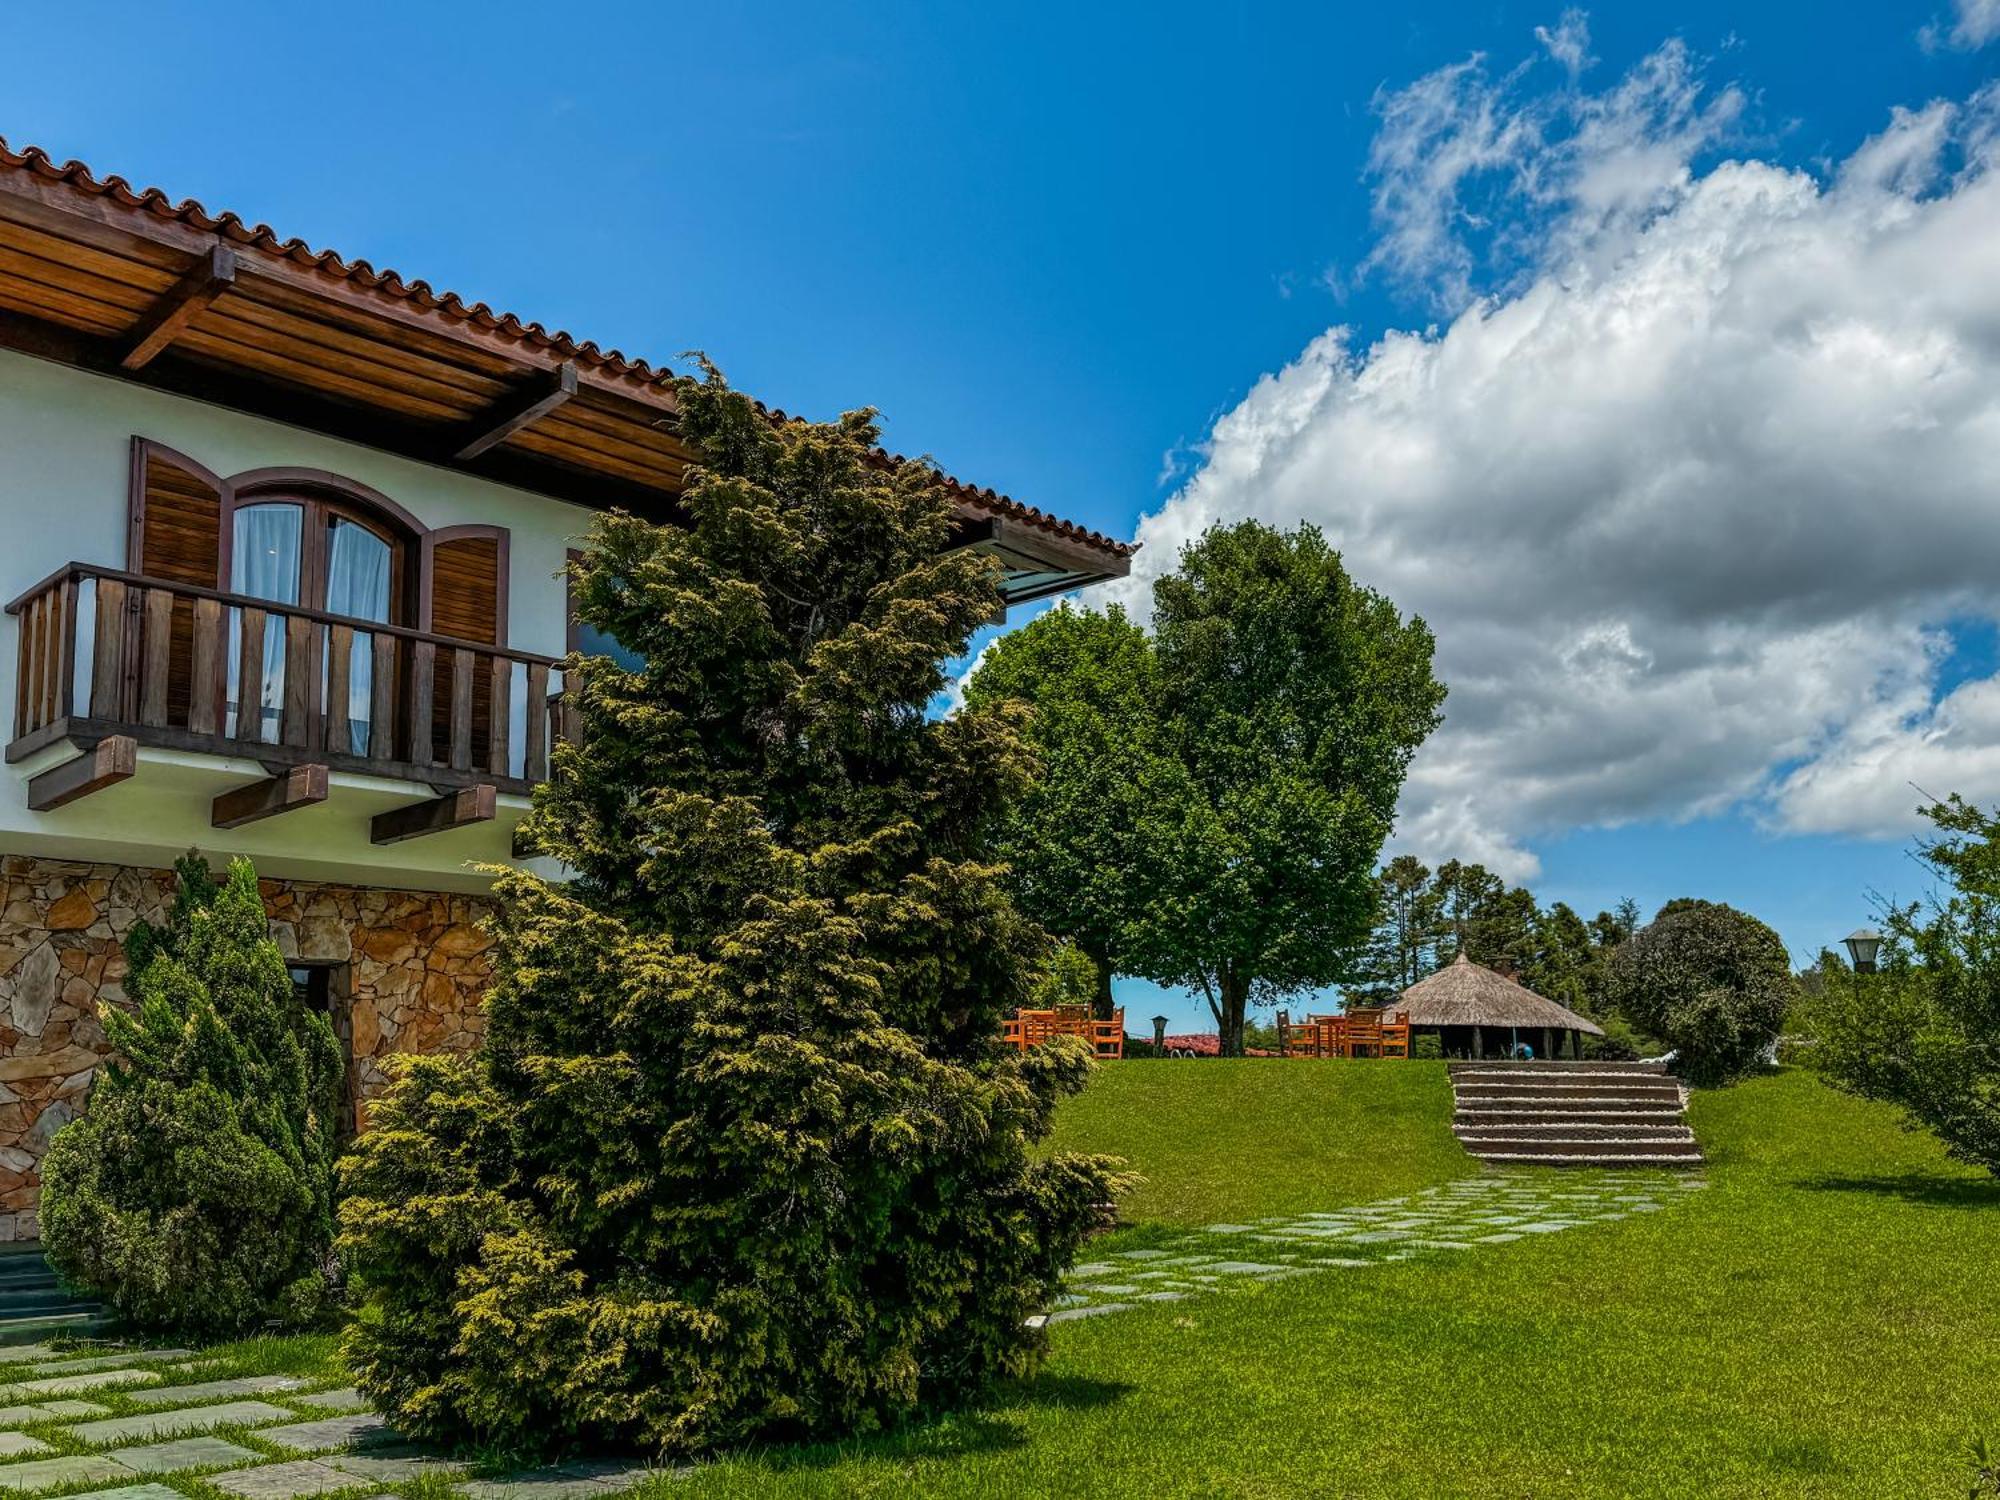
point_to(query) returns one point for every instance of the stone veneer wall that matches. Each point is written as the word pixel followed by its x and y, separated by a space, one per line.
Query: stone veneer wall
pixel 414 966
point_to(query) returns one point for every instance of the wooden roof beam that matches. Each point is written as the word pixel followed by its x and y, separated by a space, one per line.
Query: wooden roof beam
pixel 182 303
pixel 516 412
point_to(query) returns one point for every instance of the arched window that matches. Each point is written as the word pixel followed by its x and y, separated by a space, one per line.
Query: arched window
pixel 319 543
pixel 310 540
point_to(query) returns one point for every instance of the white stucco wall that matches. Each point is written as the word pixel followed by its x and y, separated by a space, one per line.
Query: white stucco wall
pixel 65 453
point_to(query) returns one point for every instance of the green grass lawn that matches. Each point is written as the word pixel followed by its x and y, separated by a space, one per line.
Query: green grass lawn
pixel 1223 1139
pixel 1822 1319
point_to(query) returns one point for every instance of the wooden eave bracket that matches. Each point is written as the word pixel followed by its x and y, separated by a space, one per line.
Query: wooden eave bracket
pixel 508 417
pixel 111 760
pixel 468 805
pixel 180 305
pixel 291 788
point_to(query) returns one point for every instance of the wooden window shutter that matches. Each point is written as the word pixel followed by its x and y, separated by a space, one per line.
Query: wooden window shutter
pixel 464 595
pixel 175 533
pixel 465 583
pixel 176 517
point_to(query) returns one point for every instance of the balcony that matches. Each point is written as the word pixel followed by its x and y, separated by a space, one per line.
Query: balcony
pixel 111 661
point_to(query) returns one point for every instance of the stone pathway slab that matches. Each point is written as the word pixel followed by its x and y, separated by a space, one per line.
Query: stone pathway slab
pixel 393 1464
pixel 18 1444
pixel 27 1354
pixel 248 1385
pixel 63 1385
pixel 133 1492
pixel 46 1473
pixel 186 1419
pixel 184 1453
pixel 361 1429
pixel 302 1476
pixel 345 1399
pixel 108 1361
pixel 564 1482
pixel 49 1411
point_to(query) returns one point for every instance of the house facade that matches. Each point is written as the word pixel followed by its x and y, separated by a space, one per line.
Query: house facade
pixel 286 540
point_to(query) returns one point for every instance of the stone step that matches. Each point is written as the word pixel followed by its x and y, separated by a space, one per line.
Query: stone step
pixel 1535 1105
pixel 1592 1159
pixel 1565 1088
pixel 85 1318
pixel 1557 1115
pixel 1607 1148
pixel 1527 1076
pixel 36 1304
pixel 1572 1130
pixel 1554 1065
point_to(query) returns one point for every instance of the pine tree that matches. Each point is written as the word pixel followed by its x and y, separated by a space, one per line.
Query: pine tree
pixel 195 1195
pixel 738 1155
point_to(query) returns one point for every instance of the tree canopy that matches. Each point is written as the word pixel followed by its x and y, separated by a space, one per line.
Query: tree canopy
pixel 1924 1033
pixel 738 1155
pixel 1250 754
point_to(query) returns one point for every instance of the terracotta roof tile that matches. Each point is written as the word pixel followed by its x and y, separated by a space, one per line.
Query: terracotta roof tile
pixel 610 362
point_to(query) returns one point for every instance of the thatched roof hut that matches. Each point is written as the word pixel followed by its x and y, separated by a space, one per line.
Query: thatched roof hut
pixel 1470 1005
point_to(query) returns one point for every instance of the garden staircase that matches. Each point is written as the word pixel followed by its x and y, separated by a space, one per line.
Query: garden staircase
pixel 1572 1114
pixel 34 1305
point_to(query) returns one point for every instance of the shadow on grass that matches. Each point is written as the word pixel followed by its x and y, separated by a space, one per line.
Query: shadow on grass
pixel 1915 1187
pixel 994 1426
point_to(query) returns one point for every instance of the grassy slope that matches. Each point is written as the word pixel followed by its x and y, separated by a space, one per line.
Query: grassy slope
pixel 1820 1321
pixel 1219 1139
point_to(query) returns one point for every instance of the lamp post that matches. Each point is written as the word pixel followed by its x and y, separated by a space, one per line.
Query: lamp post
pixel 1862 945
pixel 1159 1036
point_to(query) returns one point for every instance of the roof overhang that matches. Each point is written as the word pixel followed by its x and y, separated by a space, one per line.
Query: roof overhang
pixel 126 283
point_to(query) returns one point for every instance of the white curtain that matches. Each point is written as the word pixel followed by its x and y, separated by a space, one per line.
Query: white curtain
pixel 357 584
pixel 265 565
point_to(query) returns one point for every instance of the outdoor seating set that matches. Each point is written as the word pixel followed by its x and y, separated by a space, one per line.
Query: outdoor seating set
pixel 1028 1027
pixel 1356 1033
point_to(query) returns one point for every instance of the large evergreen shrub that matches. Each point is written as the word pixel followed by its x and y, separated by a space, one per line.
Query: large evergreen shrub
pixel 195 1193
pixel 738 1154
pixel 1924 1034
pixel 1711 981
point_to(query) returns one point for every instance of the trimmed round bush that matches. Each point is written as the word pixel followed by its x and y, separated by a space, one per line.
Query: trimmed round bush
pixel 195 1194
pixel 1712 982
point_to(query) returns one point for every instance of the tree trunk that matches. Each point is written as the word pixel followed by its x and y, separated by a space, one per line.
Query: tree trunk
pixel 1235 1000
pixel 1101 1004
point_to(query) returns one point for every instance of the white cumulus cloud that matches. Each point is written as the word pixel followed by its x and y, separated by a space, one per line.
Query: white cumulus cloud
pixel 1691 492
pixel 1974 23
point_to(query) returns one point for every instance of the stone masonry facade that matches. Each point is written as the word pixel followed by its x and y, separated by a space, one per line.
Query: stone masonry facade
pixel 406 973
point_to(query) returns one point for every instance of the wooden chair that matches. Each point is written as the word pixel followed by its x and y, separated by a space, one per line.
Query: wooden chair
pixel 1295 1040
pixel 1396 1035
pixel 1107 1038
pixel 1364 1034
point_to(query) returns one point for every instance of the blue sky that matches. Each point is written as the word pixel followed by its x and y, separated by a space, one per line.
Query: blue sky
pixel 1054 247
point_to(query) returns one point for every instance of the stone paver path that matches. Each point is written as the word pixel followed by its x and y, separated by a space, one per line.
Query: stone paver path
pixel 1457 1217
pixel 163 1424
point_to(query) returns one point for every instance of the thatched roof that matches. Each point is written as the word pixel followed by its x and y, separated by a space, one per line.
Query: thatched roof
pixel 1463 993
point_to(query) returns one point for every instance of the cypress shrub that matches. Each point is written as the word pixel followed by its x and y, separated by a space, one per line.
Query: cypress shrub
pixel 194 1195
pixel 738 1155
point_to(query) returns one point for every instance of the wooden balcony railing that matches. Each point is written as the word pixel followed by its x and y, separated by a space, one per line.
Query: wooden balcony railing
pixel 104 653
